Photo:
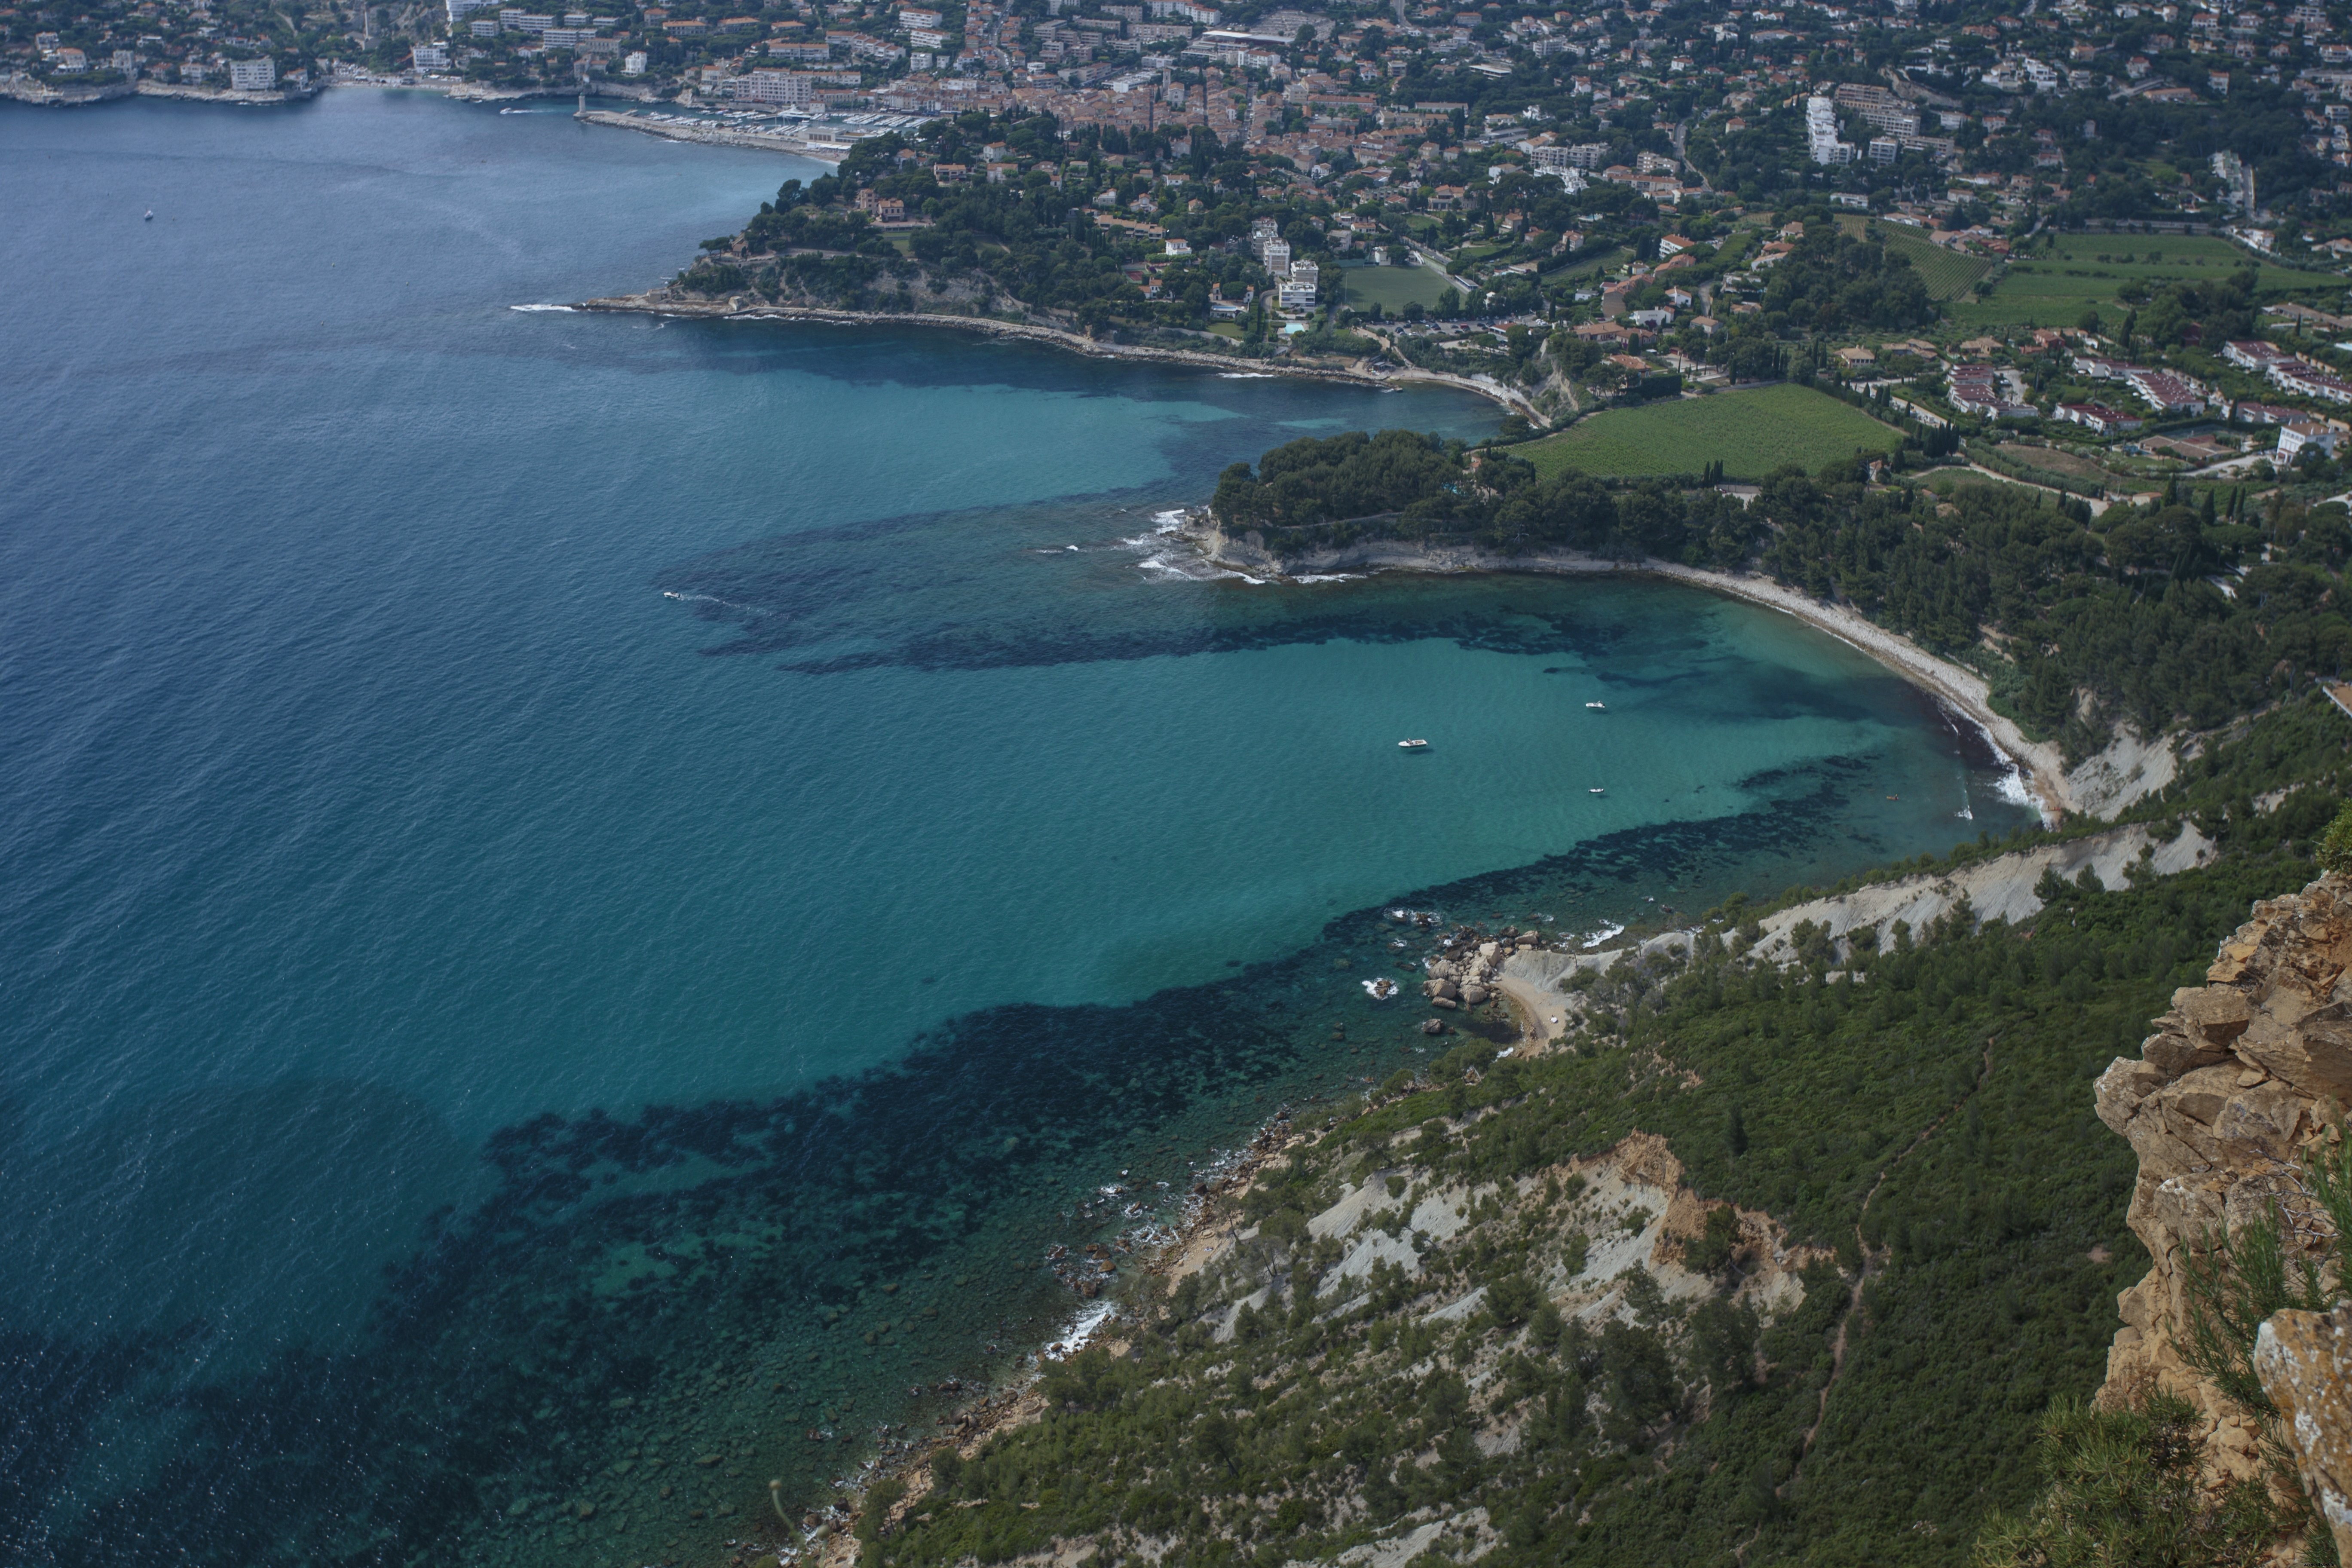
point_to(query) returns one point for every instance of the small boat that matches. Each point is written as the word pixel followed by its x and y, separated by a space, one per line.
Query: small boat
pixel 1412 745
pixel 149 217
pixel 1597 707
pixel 1595 791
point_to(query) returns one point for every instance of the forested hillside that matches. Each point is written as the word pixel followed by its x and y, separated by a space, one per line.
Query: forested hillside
pixel 1906 1130
pixel 2161 614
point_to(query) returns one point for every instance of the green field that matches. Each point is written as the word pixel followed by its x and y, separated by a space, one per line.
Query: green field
pixel 1949 274
pixel 2051 289
pixel 1587 264
pixel 1392 288
pixel 1750 432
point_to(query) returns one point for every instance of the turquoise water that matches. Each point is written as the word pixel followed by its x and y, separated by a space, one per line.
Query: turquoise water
pixel 546 856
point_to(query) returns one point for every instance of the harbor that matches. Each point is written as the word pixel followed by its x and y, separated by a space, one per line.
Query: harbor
pixel 825 140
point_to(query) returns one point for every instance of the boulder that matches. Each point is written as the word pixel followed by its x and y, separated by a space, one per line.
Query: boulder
pixel 2304 1359
pixel 1473 994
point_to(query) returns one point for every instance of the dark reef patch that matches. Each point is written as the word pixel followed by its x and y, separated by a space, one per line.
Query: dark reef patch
pixel 698 1298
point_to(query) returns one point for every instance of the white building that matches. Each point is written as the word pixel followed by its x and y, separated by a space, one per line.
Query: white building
pixel 252 76
pixel 2293 438
pixel 634 63
pixel 430 56
pixel 793 89
pixel 1822 133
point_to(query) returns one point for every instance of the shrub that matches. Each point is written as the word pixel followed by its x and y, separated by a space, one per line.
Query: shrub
pixel 2335 844
pixel 2124 1492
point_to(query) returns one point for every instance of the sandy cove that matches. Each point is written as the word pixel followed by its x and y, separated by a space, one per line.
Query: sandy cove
pixel 1357 372
pixel 2129 767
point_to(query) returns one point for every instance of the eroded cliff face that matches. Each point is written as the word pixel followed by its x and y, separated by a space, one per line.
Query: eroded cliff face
pixel 2244 1074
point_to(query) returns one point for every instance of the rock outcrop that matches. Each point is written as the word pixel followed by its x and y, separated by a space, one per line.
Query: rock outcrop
pixel 2244 1075
pixel 2304 1359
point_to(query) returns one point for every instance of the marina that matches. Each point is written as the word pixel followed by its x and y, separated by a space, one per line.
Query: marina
pixel 821 139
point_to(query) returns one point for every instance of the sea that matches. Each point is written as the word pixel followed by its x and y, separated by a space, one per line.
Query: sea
pixel 596 910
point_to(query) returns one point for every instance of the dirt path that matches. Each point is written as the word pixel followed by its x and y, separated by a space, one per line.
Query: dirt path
pixel 1870 1266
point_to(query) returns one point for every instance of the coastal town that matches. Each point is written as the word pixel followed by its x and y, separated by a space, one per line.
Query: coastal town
pixel 2120 232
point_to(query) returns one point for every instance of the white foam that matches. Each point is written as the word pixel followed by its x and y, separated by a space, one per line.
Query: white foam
pixel 1329 577
pixel 1245 375
pixel 567 310
pixel 1191 569
pixel 2012 787
pixel 709 599
pixel 1595 938
pixel 1082 1328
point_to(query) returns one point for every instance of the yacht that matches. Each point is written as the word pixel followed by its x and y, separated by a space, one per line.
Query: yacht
pixel 1412 745
pixel 1595 791
pixel 1597 707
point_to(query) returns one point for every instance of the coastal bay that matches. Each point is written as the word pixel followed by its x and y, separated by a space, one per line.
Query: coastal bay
pixel 745 818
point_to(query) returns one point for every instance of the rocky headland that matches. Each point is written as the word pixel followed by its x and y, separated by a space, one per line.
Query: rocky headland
pixel 959 306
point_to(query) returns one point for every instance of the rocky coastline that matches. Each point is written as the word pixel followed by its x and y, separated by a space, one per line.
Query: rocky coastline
pixel 822 1538
pixel 1360 372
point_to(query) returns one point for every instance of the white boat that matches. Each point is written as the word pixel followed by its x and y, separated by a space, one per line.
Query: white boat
pixel 1595 791
pixel 1412 745
pixel 149 217
pixel 1597 707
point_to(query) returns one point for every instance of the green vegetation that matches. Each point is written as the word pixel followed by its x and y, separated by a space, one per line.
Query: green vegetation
pixel 1749 433
pixel 992 248
pixel 2053 287
pixel 2124 1490
pixel 1837 281
pixel 1920 1114
pixel 1392 288
pixel 2130 611
pixel 1947 274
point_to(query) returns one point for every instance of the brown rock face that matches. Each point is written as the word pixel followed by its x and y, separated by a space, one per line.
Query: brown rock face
pixel 2304 1359
pixel 2244 1073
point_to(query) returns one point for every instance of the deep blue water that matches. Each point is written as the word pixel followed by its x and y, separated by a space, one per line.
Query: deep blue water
pixel 544 855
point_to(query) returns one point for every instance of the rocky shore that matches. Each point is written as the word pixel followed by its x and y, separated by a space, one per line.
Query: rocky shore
pixel 821 1538
pixel 1360 373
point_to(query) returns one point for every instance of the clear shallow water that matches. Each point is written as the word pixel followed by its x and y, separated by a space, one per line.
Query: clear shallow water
pixel 441 731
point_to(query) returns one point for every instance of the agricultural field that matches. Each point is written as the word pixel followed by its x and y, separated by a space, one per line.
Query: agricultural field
pixel 1945 481
pixel 1587 263
pixel 2051 289
pixel 1949 274
pixel 1749 433
pixel 1391 287
pixel 2065 465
